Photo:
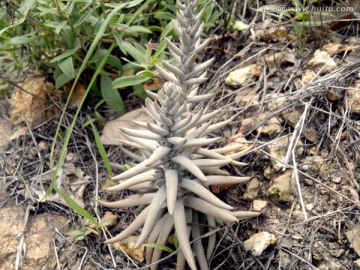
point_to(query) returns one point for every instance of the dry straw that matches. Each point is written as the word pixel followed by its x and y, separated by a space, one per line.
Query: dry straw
pixel 176 167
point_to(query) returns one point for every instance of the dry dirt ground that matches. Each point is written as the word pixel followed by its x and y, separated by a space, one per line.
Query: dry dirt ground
pixel 295 103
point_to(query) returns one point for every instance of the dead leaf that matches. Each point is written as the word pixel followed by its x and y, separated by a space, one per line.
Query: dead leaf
pixel 154 84
pixel 335 48
pixel 30 101
pixel 77 95
pixel 352 100
pixel 216 189
pixel 280 58
pixel 111 132
pixel 270 32
pixel 110 217
pixel 128 246
pixel 322 62
pixel 71 180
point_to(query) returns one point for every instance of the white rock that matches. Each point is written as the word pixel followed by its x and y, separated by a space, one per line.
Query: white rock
pixel 243 76
pixel 259 205
pixel 258 242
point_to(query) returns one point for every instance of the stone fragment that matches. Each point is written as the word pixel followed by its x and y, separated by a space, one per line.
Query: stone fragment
pixel 275 101
pixel 258 242
pixel 109 217
pixel 291 116
pixel 248 99
pixel 252 190
pixel 281 189
pixel 30 101
pixel 298 215
pixel 128 246
pixel 336 180
pixel 271 127
pixel 243 76
pixel 278 149
pixel 313 163
pixel 259 205
pixel 311 134
pixel 334 94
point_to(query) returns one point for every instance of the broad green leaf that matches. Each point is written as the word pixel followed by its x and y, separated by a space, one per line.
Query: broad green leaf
pixel 23 39
pixel 103 223
pixel 155 28
pixel 165 16
pixel 67 53
pixel 60 26
pixel 136 53
pixel 26 6
pixel 158 246
pixel 111 95
pixel 111 60
pixel 176 240
pixel 126 81
pixel 24 9
pixel 138 10
pixel 84 17
pixel 239 26
pixel 67 67
pixel 137 29
pixel 139 91
pixel 146 73
pixel 166 31
pixel 75 233
pixel 61 80
pixel 160 49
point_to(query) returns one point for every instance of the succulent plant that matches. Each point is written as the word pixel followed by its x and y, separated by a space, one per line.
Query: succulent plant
pixel 175 166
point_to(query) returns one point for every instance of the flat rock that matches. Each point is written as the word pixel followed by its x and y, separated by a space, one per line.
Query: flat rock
pixel 281 188
pixel 111 133
pixel 38 248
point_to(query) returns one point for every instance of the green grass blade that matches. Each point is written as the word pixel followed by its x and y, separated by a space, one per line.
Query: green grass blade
pixel 101 148
pixel 158 246
pixel 75 206
pixel 92 48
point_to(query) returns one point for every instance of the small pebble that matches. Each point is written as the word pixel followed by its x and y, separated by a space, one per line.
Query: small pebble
pixel 336 180
pixel 259 205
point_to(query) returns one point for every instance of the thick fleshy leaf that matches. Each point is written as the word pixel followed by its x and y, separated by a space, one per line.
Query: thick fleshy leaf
pixel 181 232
